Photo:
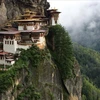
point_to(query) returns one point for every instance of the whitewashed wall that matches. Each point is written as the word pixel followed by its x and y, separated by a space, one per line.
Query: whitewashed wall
pixel 23 46
pixel 30 27
pixel 9 63
pixel 20 28
pixel 10 47
pixel 2 61
pixel 53 21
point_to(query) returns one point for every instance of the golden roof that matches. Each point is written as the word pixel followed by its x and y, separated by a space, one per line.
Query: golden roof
pixel 30 16
pixel 33 12
pixel 8 24
pixel 27 11
pixel 28 20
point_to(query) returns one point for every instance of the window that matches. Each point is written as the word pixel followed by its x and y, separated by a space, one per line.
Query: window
pixel 8 62
pixel 1 57
pixel 7 42
pixel 10 42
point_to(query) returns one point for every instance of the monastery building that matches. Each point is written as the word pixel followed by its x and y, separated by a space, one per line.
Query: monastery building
pixel 32 29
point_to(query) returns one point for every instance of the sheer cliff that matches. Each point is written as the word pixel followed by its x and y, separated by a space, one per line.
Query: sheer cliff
pixel 36 77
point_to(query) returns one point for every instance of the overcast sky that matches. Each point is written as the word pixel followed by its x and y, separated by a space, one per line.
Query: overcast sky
pixel 72 10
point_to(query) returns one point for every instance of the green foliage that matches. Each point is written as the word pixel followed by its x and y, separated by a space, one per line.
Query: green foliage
pixel 51 96
pixel 89 61
pixel 7 78
pixel 29 93
pixel 90 67
pixel 32 55
pixel 63 54
pixel 89 91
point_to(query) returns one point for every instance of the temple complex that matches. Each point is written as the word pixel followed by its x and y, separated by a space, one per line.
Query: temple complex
pixel 32 29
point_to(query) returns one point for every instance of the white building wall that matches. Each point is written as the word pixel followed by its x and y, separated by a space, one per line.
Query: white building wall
pixel 53 21
pixel 24 46
pixel 10 45
pixel 42 39
pixel 20 28
pixel 9 63
pixel 30 27
pixel 38 27
pixel 58 22
pixel 2 61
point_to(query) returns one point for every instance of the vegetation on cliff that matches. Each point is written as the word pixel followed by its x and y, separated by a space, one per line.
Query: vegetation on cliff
pixel 29 93
pixel 63 53
pixel 32 55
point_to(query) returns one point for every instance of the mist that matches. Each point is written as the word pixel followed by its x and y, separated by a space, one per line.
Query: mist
pixel 81 19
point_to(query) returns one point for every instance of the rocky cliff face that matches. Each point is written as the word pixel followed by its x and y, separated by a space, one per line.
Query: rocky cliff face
pixel 47 81
pixel 74 85
pixel 17 7
pixel 3 11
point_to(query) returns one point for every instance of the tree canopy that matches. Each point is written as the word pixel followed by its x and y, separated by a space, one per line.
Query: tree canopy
pixel 63 53
pixel 89 61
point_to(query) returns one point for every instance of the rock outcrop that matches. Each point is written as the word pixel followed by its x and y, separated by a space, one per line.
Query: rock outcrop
pixel 3 16
pixel 17 7
pixel 74 85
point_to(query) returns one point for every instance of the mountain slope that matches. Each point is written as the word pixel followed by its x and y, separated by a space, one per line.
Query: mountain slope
pixel 90 62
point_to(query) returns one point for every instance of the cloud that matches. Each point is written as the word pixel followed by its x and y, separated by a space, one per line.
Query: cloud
pixel 92 25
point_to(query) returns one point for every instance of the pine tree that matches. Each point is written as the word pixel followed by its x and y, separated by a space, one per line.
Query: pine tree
pixel 63 53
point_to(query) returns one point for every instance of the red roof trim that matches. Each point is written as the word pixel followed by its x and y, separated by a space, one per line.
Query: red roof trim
pixel 35 31
pixel 9 32
pixel 3 53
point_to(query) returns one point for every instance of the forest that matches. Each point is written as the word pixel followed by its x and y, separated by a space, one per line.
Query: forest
pixel 89 61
